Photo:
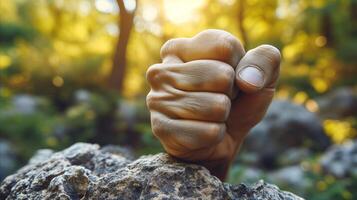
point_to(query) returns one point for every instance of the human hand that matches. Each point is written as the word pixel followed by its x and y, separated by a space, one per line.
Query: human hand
pixel 207 94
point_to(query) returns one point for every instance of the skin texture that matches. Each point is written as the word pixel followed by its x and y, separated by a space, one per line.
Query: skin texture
pixel 201 103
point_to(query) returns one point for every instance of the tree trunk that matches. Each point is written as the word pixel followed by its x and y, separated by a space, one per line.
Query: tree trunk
pixel 125 23
pixel 107 133
pixel 242 30
pixel 327 29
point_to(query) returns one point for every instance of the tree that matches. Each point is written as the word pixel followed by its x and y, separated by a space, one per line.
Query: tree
pixel 125 23
pixel 241 12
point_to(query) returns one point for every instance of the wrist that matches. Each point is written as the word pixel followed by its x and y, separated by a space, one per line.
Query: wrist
pixel 224 155
pixel 218 168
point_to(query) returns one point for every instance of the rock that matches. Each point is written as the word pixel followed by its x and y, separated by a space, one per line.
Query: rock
pixel 117 150
pixel 7 159
pixel 285 126
pixel 258 191
pixel 246 174
pixel 82 95
pixel 293 156
pixel 341 160
pixel 84 171
pixel 40 156
pixel 291 177
pixel 338 104
pixel 25 103
pixel 28 104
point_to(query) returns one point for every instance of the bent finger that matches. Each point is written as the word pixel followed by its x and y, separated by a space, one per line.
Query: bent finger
pixel 195 76
pixel 191 105
pixel 209 44
pixel 183 135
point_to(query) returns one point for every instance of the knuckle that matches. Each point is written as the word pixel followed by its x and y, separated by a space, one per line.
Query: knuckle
pixel 229 47
pixel 169 47
pixel 227 75
pixel 215 131
pixel 150 100
pixel 154 73
pixel 151 71
pixel 271 53
pixel 223 106
pixel 225 47
pixel 158 123
pixel 224 43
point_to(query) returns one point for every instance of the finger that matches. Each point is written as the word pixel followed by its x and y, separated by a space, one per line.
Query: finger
pixel 202 106
pixel 199 76
pixel 183 135
pixel 173 59
pixel 209 44
pixel 258 69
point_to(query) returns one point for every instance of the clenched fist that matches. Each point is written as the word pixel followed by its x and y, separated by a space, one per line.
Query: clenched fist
pixel 207 94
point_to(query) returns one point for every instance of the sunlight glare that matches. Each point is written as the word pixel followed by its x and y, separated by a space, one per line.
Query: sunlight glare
pixel 130 5
pixel 227 2
pixel 107 6
pixel 181 11
pixel 84 8
pixel 150 13
pixel 112 29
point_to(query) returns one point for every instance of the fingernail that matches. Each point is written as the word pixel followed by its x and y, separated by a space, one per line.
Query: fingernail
pixel 252 75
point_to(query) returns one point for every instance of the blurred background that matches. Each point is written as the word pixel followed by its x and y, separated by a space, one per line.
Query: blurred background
pixel 74 71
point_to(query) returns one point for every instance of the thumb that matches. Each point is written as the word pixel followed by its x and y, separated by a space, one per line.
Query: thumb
pixel 258 69
pixel 256 76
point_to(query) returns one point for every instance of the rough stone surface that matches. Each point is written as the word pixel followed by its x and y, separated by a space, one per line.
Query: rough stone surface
pixel 84 171
pixel 341 160
pixel 285 126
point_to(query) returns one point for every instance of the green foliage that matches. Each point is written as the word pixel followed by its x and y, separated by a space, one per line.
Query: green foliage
pixel 28 132
pixel 87 117
pixel 327 187
pixel 10 32
pixel 150 145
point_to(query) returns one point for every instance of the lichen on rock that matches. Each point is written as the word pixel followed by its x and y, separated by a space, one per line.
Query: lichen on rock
pixel 86 171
